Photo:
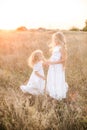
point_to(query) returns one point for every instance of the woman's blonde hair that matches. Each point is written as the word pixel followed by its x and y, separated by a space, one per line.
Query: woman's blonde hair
pixel 34 57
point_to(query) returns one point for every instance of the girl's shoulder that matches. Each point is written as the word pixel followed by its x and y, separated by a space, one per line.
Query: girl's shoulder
pixel 37 66
pixel 57 48
pixel 63 50
pixel 38 63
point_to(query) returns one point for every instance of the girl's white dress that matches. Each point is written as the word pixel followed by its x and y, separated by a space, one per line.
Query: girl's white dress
pixel 56 86
pixel 35 84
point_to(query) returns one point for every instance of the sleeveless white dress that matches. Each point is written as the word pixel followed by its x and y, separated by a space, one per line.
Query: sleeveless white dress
pixel 56 86
pixel 35 85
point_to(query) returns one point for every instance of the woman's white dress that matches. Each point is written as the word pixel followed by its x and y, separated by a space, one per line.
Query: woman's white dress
pixel 56 86
pixel 35 84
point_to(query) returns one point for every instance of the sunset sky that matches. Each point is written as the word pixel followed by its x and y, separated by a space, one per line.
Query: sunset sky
pixel 62 14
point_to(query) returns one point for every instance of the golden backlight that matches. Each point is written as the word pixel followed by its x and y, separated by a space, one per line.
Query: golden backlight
pixel 42 13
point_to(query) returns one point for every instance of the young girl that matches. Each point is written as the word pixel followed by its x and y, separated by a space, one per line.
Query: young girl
pixel 56 86
pixel 36 83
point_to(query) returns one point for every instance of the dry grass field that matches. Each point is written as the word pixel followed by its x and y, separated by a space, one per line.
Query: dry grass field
pixel 27 112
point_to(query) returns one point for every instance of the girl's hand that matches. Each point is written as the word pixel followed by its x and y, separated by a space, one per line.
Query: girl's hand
pixel 46 64
pixel 50 62
pixel 43 78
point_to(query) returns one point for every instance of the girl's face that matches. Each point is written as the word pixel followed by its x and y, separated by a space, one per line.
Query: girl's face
pixel 40 56
pixel 56 43
pixel 58 39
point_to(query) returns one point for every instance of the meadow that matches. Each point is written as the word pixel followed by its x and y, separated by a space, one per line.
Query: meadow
pixel 26 112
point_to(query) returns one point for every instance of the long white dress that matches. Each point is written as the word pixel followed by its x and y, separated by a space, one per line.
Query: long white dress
pixel 35 85
pixel 56 86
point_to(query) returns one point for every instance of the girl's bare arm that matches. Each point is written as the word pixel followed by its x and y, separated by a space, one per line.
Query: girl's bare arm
pixel 39 75
pixel 63 57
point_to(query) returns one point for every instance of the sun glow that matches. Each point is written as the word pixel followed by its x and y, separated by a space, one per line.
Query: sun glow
pixel 42 13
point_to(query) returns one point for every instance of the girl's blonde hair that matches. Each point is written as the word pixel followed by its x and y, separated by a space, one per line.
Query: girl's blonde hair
pixel 34 57
pixel 58 38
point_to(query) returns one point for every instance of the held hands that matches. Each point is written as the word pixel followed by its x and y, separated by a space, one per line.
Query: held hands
pixel 46 64
pixel 43 78
pixel 49 63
